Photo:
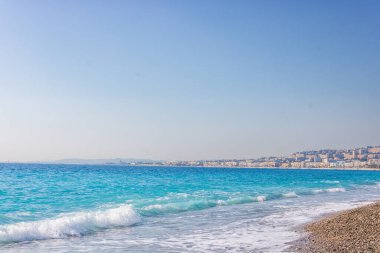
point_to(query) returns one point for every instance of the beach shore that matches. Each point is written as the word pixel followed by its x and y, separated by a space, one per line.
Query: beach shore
pixel 355 230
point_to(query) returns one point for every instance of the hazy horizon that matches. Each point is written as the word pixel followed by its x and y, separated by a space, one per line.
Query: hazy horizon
pixel 189 80
pixel 103 160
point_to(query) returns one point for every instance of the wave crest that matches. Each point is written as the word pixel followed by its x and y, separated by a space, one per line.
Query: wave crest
pixel 330 181
pixel 336 190
pixel 261 198
pixel 290 195
pixel 75 224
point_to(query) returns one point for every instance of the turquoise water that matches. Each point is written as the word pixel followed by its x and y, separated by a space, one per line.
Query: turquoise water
pixel 148 209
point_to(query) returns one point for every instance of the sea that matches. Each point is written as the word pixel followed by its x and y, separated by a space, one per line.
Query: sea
pixel 97 208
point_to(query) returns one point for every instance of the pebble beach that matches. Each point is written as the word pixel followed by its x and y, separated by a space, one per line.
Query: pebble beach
pixel 355 230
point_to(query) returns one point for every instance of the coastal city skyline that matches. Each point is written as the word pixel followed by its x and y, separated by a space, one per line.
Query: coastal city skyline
pixel 362 157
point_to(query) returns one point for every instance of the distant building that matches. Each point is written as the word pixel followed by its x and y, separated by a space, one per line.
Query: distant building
pixel 374 150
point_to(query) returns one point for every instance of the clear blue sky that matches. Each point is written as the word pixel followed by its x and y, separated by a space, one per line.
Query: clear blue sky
pixel 187 79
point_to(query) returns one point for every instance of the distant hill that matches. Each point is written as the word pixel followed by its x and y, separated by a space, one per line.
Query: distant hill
pixel 102 161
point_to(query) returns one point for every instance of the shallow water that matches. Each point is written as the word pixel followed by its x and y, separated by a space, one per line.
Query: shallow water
pixel 66 208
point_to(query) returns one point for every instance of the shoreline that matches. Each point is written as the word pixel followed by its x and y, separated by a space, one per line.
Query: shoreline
pixel 353 230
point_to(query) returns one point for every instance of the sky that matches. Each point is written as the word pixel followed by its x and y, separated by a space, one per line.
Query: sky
pixel 185 80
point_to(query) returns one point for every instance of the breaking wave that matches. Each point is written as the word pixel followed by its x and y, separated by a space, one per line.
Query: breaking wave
pixel 261 198
pixel 74 224
pixel 290 195
pixel 192 205
pixel 82 223
pixel 330 181
pixel 338 189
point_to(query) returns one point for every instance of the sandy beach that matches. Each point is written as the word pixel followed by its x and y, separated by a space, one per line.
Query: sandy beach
pixel 355 230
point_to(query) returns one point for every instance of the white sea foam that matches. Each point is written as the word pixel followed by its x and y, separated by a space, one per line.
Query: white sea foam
pixel 318 191
pixel 330 181
pixel 221 202
pixel 156 207
pixel 261 198
pixel 290 195
pixel 338 189
pixel 268 233
pixel 74 224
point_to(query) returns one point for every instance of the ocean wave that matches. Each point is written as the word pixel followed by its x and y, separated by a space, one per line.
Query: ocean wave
pixel 156 209
pixel 261 198
pixel 170 196
pixel 338 189
pixel 330 181
pixel 191 205
pixel 204 203
pixel 241 200
pixel 290 195
pixel 315 191
pixel 74 224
